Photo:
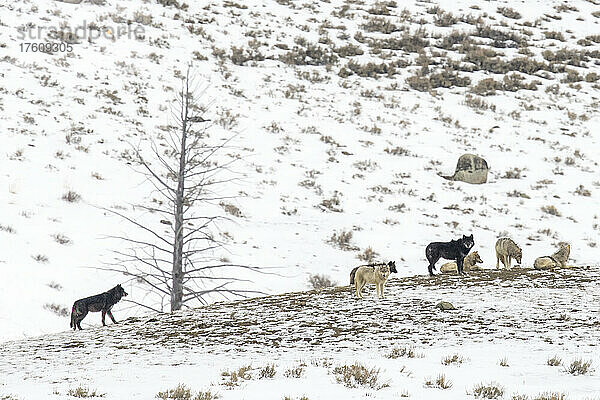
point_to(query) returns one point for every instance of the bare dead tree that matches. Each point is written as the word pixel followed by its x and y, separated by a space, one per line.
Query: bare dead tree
pixel 187 175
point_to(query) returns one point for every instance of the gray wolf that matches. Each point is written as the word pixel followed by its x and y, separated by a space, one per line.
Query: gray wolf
pixel 452 250
pixel 377 274
pixel 558 259
pixel 391 264
pixel 101 302
pixel 506 250
pixel 470 264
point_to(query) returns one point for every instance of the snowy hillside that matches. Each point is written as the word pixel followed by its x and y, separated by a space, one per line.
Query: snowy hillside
pixel 521 334
pixel 347 113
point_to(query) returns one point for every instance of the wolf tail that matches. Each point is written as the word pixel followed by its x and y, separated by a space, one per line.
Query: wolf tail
pixel 352 274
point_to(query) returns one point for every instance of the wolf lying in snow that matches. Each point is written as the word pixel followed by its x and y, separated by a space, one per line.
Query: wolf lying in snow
pixel 556 260
pixel 452 250
pixel 391 264
pixel 376 274
pixel 101 302
pixel 470 264
pixel 506 250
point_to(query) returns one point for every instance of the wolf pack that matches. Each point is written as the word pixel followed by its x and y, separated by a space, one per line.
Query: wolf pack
pixel 463 261
pixel 378 273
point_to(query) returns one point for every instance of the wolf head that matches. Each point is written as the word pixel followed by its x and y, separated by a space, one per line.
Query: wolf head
pixel 518 255
pixel 392 266
pixel 476 258
pixel 384 271
pixel 119 291
pixel 468 241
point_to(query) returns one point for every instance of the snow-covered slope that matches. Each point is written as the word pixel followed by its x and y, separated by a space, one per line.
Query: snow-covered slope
pixel 328 143
pixel 506 327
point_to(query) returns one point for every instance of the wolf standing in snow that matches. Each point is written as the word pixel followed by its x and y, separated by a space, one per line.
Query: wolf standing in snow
pixel 506 250
pixel 453 250
pixel 101 302
pixel 391 264
pixel 377 274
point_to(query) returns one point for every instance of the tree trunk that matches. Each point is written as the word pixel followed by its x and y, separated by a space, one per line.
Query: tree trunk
pixel 177 273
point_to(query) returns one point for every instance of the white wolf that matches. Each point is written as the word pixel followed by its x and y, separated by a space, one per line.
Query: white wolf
pixel 377 274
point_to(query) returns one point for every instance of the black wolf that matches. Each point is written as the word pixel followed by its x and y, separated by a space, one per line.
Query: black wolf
pixel 452 250
pixel 100 302
pixel 391 264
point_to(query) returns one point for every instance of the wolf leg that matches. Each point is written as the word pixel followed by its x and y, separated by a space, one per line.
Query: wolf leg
pixel 78 321
pixel 360 288
pixel 509 261
pixel 103 316
pixel 497 260
pixel 111 316
pixel 459 266
pixel 78 318
pixel 73 318
pixel 432 260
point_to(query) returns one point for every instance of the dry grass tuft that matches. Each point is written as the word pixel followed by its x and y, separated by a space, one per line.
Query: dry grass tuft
pixel 356 375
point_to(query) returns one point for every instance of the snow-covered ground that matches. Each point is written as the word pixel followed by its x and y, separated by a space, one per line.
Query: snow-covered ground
pixel 322 151
pixel 505 329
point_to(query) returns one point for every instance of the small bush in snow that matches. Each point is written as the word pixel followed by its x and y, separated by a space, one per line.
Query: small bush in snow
pixel 408 352
pixel 551 210
pixel 181 392
pixel 508 12
pixel 83 393
pixel 71 196
pixel 320 281
pixel 555 35
pixel 235 377
pixel 381 25
pixel 231 209
pixel 489 391
pixel 295 372
pixel 7 229
pixel 445 19
pixel 57 309
pixel 441 382
pixel 554 361
pixel 40 258
pixel 61 239
pixel 356 375
pixel 551 396
pixel 267 372
pixel 519 397
pixel 579 367
pixel 514 173
pixel 452 359
pixel 332 204
pixel 382 8
pixel 503 362
pixel 54 285
pixel 582 191
pixel 368 255
pixel 342 240
pixel 174 3
pixel 208 395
